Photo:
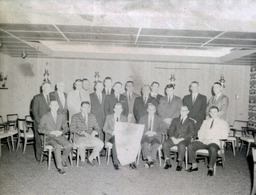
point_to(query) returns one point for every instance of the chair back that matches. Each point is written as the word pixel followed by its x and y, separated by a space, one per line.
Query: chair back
pixel 12 117
pixel 28 118
pixel 241 127
pixel 1 120
pixel 22 127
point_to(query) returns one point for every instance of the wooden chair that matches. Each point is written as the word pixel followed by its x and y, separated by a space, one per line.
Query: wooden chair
pixel 12 120
pixel 248 138
pixel 158 152
pixel 3 125
pixel 25 133
pixel 239 127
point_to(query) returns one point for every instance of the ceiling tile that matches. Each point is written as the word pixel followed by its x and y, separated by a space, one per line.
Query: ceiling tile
pixel 37 35
pixel 239 35
pixel 28 27
pixel 74 36
pixel 154 39
pixel 233 42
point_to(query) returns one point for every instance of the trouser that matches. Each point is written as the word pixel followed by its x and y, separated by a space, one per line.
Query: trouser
pixel 114 153
pixel 87 142
pixel 149 147
pixel 212 149
pixel 37 143
pixel 181 148
pixel 60 143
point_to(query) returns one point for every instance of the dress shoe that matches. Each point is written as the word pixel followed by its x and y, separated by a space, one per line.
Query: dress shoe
pixel 149 164
pixel 64 164
pixel 92 163
pixel 167 166
pixel 179 168
pixel 192 169
pixel 116 166
pixel 61 171
pixel 210 172
pixel 133 166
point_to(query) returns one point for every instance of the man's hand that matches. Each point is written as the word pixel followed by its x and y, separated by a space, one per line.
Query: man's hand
pixel 85 134
pixel 177 140
pixel 56 133
pixel 94 133
pixel 168 121
pixel 150 133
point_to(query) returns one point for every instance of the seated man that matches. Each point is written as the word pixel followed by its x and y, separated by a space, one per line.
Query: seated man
pixel 85 127
pixel 180 134
pixel 209 135
pixel 109 130
pixel 51 124
pixel 151 136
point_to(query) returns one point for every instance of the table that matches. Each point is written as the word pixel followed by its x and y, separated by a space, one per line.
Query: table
pixel 7 134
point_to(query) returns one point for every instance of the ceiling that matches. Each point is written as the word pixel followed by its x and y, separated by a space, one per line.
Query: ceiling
pixel 115 42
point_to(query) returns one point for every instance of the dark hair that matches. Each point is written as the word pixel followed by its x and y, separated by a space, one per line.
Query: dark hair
pixel 217 83
pixel 85 102
pixel 74 84
pixel 85 79
pixel 167 87
pixel 128 83
pixel 107 78
pixel 117 83
pixel 155 83
pixel 97 84
pixel 195 82
pixel 214 107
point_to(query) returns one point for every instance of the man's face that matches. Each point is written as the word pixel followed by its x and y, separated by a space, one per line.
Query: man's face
pixel 54 106
pixel 184 111
pixel 194 87
pixel 61 86
pixel 151 110
pixel 129 87
pixel 99 87
pixel 85 109
pixel 86 85
pixel 46 88
pixel 155 88
pixel 108 83
pixel 170 92
pixel 78 85
pixel 118 109
pixel 145 90
pixel 213 113
pixel 117 88
pixel 217 89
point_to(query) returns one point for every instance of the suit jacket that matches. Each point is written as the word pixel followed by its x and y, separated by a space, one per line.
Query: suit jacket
pixel 110 102
pixel 158 126
pixel 185 130
pixel 222 103
pixel 97 108
pixel 131 101
pixel 78 124
pixel 169 110
pixel 196 110
pixel 39 108
pixel 112 91
pixel 158 98
pixel 109 125
pixel 74 103
pixel 140 108
pixel 63 109
pixel 47 124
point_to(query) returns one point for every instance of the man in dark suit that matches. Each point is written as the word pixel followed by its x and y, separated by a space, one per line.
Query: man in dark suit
pixel 108 86
pixel 131 96
pixel 61 97
pixel 220 100
pixel 109 130
pixel 54 126
pixel 97 106
pixel 141 103
pixel 180 134
pixel 196 104
pixel 169 107
pixel 151 138
pixel 112 99
pixel 154 91
pixel 40 106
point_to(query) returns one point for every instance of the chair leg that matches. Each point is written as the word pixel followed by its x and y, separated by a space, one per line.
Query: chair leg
pixel 8 143
pixel 108 155
pixel 71 159
pixel 186 159
pixel 233 146
pixel 248 149
pixel 25 144
pixel 214 169
pixel 41 159
pixel 138 158
pixel 77 157
pixel 18 143
pixel 159 157
pixel 98 159
pixel 49 158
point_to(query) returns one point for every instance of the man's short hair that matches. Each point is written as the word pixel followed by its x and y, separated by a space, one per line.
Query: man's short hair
pixel 213 107
pixel 117 83
pixel 143 87
pixel 151 105
pixel 129 82
pixel 85 102
pixel 169 86
pixel 217 83
pixel 195 82
pixel 85 79
pixel 107 78
pixel 76 81
pixel 155 82
pixel 44 83
pixel 118 104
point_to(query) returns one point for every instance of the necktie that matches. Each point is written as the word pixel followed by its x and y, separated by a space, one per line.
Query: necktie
pixel 169 99
pixel 212 123
pixel 117 97
pixel 181 121
pixel 194 98
pixel 117 119
pixel 150 124
pixel 55 118
pixel 86 121
pixel 80 96
pixel 108 93
pixel 145 100
pixel 48 100
pixel 100 98
pixel 62 99
pixel 129 97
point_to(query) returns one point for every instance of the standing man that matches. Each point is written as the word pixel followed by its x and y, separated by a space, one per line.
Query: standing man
pixel 85 127
pixel 131 96
pixel 97 106
pixel 196 104
pixel 39 108
pixel 154 91
pixel 108 86
pixel 169 107
pixel 180 134
pixel 141 103
pixel 54 126
pixel 151 138
pixel 219 100
pixel 212 130
pixel 61 97
pixel 112 99
pixel 109 130
pixel 86 90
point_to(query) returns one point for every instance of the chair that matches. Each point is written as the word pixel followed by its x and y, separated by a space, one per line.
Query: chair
pixel 25 133
pixel 12 120
pixel 238 129
pixel 3 125
pixel 159 155
pixel 247 137
pixel 253 192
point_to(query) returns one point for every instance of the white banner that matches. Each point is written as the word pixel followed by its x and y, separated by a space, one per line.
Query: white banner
pixel 127 137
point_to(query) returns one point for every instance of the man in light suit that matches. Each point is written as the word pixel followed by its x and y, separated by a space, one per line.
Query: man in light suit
pixel 212 130
pixel 61 97
pixel 40 106
pixel 109 130
pixel 151 138
pixel 169 107
pixel 219 100
pixel 141 103
pixel 154 91
pixel 112 99
pixel 86 89
pixel 180 134
pixel 54 126
pixel 196 104
pixel 108 86
pixel 131 96
pixel 97 106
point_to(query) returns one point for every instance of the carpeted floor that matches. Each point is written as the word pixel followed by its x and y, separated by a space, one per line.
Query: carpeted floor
pixel 21 174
